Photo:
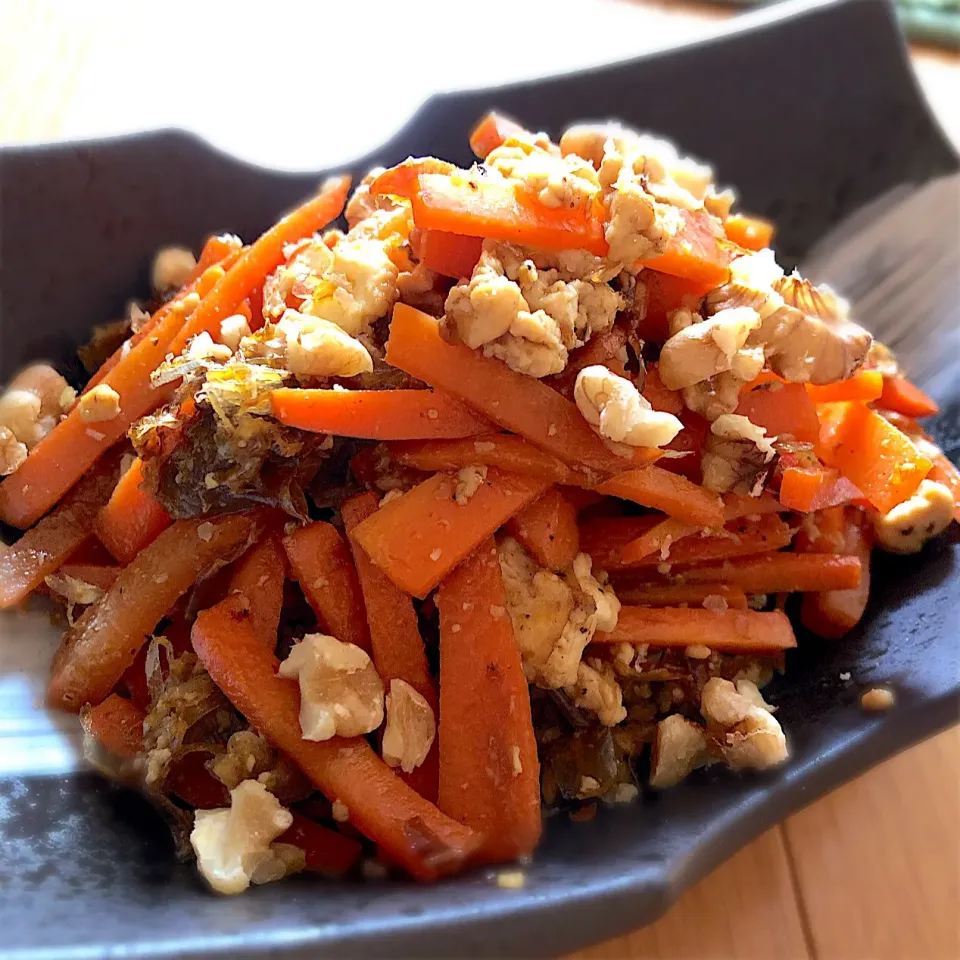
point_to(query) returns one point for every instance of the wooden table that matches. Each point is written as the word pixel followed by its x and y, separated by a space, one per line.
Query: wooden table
pixel 871 871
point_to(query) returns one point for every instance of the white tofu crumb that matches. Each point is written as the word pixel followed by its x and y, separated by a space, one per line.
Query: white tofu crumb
pixel 511 880
pixel 469 481
pixel 484 446
pixel 456 628
pixel 517 764
pixel 172 268
pixel 160 578
pixel 435 554
pixel 877 699
pixel 845 676
pixel 433 414
pixel 697 652
pixel 497 611
pixel 100 404
pixel 95 434
pixel 233 329
pixel 341 812
pixel 588 785
pixel 715 602
pixel 205 531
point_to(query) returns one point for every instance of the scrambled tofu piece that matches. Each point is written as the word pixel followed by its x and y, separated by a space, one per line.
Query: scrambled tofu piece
pixel 680 747
pixel 318 348
pixel 556 181
pixel 469 480
pixel 910 525
pixel 741 725
pixel 410 730
pixel 99 404
pixel 233 329
pixel 597 690
pixel 172 267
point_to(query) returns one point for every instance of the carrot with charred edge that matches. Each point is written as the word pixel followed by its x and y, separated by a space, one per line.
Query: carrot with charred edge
pixel 864 385
pixel 493 131
pixel 117 725
pixel 751 233
pixel 259 575
pixel 326 851
pixel 780 573
pixel 377 414
pixel 417 539
pixel 131 518
pixel 677 594
pixel 902 396
pixel 782 410
pixel 729 631
pixel 402 180
pixel 320 560
pixel 675 495
pixel 604 349
pixel 96 574
pixel 397 647
pixel 489 771
pixel 449 253
pixel 412 831
pixel 815 488
pixel 42 550
pixel 104 641
pixel 699 252
pixel 548 530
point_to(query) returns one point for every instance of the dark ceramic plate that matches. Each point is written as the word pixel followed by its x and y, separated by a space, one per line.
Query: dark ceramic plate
pixel 812 115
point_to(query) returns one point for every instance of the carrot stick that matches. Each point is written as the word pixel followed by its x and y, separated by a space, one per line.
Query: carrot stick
pixel 751 233
pixel 42 550
pixel 514 401
pixel 548 530
pixel 864 385
pixel 327 852
pixel 666 293
pixel 397 647
pixel 782 409
pixel 671 493
pixel 657 538
pixel 736 505
pixel 417 539
pixel 730 631
pixel 216 249
pixel 105 640
pixel 402 180
pixel 603 349
pixel 901 396
pixel 492 132
pixel 489 771
pixel 699 252
pixel 99 575
pixel 659 396
pixel 677 594
pixel 259 575
pixel 131 518
pixel 780 573
pixel 320 560
pixel 815 488
pixel 412 831
pixel 604 538
pixel 449 253
pixel 377 414
pixel 117 725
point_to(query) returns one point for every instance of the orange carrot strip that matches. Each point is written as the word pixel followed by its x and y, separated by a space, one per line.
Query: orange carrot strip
pixel 604 349
pixel 732 631
pixel 327 852
pixel 659 396
pixel 402 180
pixel 604 538
pixel 518 403
pixel 676 594
pixel 548 530
pixel 864 385
pixel 780 572
pixel 397 647
pixel 662 536
pixel 216 249
pixel 412 831
pixel 320 560
pixel 259 576
pixel 42 550
pixel 945 472
pixel 97 574
pixel 105 640
pixel 489 771
pixel 117 725
pixel 782 410
pixel 751 233
pixel 492 132
pixel 700 251
pixel 666 293
pixel 737 505
pixel 812 488
pixel 131 518
pixel 902 396
pixel 449 253
pixel 377 414
pixel 675 495
pixel 421 536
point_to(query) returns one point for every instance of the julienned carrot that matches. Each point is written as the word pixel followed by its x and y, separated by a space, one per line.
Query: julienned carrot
pixel 864 385
pixel 96 574
pixel 131 518
pixel 675 495
pixel 780 573
pixel 728 631
pixel 377 414
pixel 320 560
pixel 326 851
pixel 736 505
pixel 259 575
pixel 548 530
pixel 216 249
pixel 658 539
pixel 417 539
pixel 751 233
pixel 473 206
pixel 412 831
pixel 666 293
pixel 603 349
pixel 782 409
pixel 902 396
pixel 402 180
pixel 449 253
pixel 117 725
pixel 699 252
pixel 605 537
pixel 815 488
pixel 659 396
pixel 492 132
pixel 42 550
pixel 105 640
pixel 489 771
pixel 677 594
pixel 518 403
pixel 397 647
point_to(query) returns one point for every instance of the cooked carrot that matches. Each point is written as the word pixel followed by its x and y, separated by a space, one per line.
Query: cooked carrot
pixel 489 771
pixel 327 852
pixel 97 574
pixel 131 519
pixel 397 647
pixel 657 539
pixel 117 725
pixel 779 572
pixel 548 529
pixel 736 505
pixel 604 349
pixel 864 385
pixel 730 631
pixel 417 539
pixel 686 449
pixel 675 495
pixel 42 550
pixel 604 538
pixel 449 253
pixel 666 293
pixel 189 779
pixel 751 233
pixel 403 179
pixel 105 640
pixel 677 594
pixel 216 249
pixel 815 488
pixel 659 396
pixel 514 401
pixel 259 575
pixel 412 831
pixel 945 472
pixel 699 252
pixel 377 414
pixel 902 396
pixel 320 560
pixel 584 499
pixel 782 410
pixel 492 132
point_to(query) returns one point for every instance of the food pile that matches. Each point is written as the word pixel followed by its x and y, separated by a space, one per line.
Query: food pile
pixel 369 542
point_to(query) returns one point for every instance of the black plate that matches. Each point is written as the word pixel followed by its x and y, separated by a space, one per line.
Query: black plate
pixel 811 115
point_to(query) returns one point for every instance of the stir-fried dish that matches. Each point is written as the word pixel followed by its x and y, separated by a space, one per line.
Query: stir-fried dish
pixel 372 541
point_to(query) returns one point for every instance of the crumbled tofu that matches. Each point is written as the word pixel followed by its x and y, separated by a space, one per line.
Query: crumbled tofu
pixel 597 690
pixel 731 426
pixel 203 348
pixel 99 404
pixel 533 345
pixel 619 412
pixel 741 725
pixel 12 452
pixel 698 651
pixel 319 348
pixel 233 330
pixel 469 481
pixel 370 276
pixel 411 727
pixel 340 811
pixel 20 414
pixel 172 268
pixel 341 693
pixel 911 524
pixel 516 762
pixel 595 586
pixel 511 880
pixel 680 747
pixel 234 843
pixel 635 229
pixel 556 181
pixel 877 699
pixel 205 531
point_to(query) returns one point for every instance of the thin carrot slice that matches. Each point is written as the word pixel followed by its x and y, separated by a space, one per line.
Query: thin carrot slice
pixel 666 293
pixel 780 573
pixel 412 831
pixel 327 852
pixel 604 538
pixel 104 641
pixel 659 396
pixel 96 574
pixel 671 493
pixel 259 575
pixel 492 132
pixel 815 488
pixel 902 396
pixel 677 594
pixel 604 349
pixel 320 560
pixel 489 771
pixel 782 410
pixel 117 725
pixel 548 530
pixel 699 252
pixel 864 385
pixel 729 631
pixel 658 539
pixel 449 253
pixel 402 180
pixel 377 414
pixel 131 518
pixel 421 536
pixel 751 233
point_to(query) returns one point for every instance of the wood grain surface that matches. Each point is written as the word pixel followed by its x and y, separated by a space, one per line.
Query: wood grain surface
pixel 871 871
